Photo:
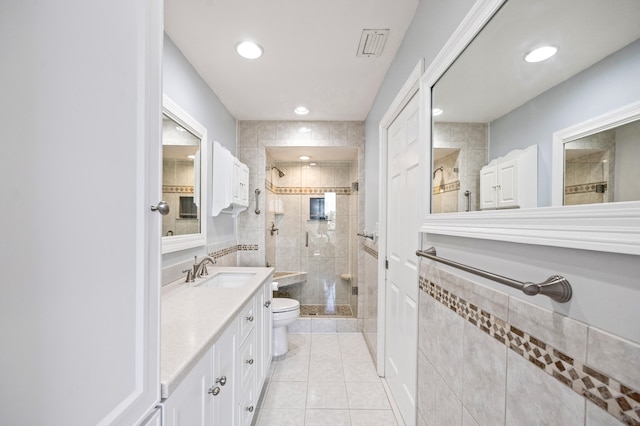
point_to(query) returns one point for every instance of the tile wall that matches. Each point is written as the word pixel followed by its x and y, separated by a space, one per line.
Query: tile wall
pixel 254 137
pixel 370 297
pixel 487 358
pixel 471 141
pixel 177 180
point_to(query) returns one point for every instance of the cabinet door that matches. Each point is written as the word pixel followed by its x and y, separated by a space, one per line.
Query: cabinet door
pixel 508 184
pixel 488 186
pixel 244 184
pixel 224 373
pixel 265 326
pixel 80 342
pixel 191 404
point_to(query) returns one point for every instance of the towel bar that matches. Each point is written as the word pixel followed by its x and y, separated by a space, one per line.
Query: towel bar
pixel 556 287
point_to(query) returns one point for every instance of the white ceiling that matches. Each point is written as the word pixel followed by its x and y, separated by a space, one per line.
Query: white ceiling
pixel 309 53
pixel 491 78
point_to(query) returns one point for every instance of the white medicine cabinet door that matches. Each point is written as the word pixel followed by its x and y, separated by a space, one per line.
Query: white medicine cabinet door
pixel 508 184
pixel 488 184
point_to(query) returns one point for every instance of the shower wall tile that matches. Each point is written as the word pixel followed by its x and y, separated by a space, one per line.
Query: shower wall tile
pixel 426 390
pixel 613 356
pixel 448 406
pixel 561 332
pixel 597 416
pixel 468 420
pixel 535 397
pixel 484 373
pixel 450 355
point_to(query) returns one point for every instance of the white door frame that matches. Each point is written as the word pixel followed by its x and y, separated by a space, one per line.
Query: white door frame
pixel 408 90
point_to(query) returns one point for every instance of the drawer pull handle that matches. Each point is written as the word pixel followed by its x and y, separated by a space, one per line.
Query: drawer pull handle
pixel 222 380
pixel 249 318
pixel 250 409
pixel 267 303
pixel 214 391
pixel 249 361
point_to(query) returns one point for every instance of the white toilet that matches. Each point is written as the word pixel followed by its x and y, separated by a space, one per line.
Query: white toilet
pixel 285 312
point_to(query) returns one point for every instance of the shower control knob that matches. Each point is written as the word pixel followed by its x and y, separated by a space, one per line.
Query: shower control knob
pixel 222 380
pixel 249 318
pixel 267 303
pixel 214 391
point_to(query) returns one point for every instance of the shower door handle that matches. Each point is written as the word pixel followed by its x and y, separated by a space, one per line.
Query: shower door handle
pixel 306 244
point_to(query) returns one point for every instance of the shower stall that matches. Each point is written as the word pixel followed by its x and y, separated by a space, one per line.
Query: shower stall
pixel 311 221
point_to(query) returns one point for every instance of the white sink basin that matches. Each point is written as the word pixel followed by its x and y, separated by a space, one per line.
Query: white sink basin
pixel 227 280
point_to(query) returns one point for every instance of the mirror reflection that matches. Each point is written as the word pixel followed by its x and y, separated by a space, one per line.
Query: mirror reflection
pixel 602 167
pixel 492 101
pixel 180 179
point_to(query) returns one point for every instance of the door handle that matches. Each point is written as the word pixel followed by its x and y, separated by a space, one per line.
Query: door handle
pixel 162 208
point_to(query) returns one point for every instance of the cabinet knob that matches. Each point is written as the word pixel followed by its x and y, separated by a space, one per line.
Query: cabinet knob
pixel 249 318
pixel 250 409
pixel 249 361
pixel 222 380
pixel 214 391
pixel 267 303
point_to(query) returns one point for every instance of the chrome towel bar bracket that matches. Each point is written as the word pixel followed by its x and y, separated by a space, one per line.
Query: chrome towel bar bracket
pixel 555 287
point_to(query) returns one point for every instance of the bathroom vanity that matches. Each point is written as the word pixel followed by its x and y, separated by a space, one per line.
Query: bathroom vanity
pixel 215 346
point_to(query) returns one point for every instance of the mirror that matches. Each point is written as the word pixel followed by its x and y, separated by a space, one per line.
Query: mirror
pixel 184 155
pixel 595 161
pixel 490 101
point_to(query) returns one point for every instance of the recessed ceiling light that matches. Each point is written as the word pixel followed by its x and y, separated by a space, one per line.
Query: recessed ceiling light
pixel 540 54
pixel 249 50
pixel 301 110
pixel 304 129
pixel 191 157
pixel 312 164
pixel 436 111
pixel 304 157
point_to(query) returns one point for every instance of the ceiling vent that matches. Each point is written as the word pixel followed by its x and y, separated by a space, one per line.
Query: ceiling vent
pixel 372 42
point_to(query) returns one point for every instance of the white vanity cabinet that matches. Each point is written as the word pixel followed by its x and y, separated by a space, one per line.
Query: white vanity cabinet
pixel 224 386
pixel 510 181
pixel 191 404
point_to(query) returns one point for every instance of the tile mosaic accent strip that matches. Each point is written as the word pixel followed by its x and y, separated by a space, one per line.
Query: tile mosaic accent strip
pixel 224 252
pixel 448 187
pixel 304 190
pixel 616 398
pixel 371 251
pixel 180 189
pixel 585 187
pixel 230 250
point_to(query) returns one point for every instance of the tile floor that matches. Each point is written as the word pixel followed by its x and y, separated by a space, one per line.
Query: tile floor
pixel 325 379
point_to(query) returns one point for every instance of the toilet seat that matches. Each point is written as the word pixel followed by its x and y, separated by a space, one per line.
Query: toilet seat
pixel 282 304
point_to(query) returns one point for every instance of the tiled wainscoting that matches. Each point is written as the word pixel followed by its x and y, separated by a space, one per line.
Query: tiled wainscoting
pixel 487 358
pixel 370 296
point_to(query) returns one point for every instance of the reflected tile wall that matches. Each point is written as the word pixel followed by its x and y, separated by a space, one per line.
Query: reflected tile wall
pixel 518 363
pixel 369 295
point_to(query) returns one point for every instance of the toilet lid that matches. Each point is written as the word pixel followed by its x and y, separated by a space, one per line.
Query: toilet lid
pixel 282 304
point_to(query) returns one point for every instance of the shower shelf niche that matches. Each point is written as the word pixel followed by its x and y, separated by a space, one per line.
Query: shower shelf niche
pixel 287 278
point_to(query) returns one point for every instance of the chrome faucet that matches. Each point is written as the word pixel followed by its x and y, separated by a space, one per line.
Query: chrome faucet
pixel 199 268
pixel 273 229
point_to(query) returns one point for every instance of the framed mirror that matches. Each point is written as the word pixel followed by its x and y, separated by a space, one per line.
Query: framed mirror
pixel 483 101
pixel 184 170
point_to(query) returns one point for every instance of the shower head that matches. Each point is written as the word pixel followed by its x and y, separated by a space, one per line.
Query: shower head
pixel 436 171
pixel 280 172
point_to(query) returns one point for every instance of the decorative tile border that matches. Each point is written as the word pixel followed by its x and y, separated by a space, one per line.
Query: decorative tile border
pixel 230 250
pixel 585 187
pixel 617 399
pixel 371 251
pixel 448 187
pixel 307 190
pixel 179 189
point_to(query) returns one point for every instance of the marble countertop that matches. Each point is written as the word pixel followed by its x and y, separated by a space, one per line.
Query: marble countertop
pixel 193 318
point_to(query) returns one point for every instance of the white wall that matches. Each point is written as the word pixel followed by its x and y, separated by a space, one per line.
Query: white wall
pixel 186 88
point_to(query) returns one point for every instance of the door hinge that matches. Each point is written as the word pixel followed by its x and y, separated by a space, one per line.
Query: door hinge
pixel 354 291
pixel 386 264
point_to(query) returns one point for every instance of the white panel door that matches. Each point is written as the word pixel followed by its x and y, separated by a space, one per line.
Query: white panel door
pixel 402 242
pixel 80 251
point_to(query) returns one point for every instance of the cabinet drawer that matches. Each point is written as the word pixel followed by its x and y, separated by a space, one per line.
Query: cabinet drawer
pixel 248 361
pixel 247 320
pixel 246 407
